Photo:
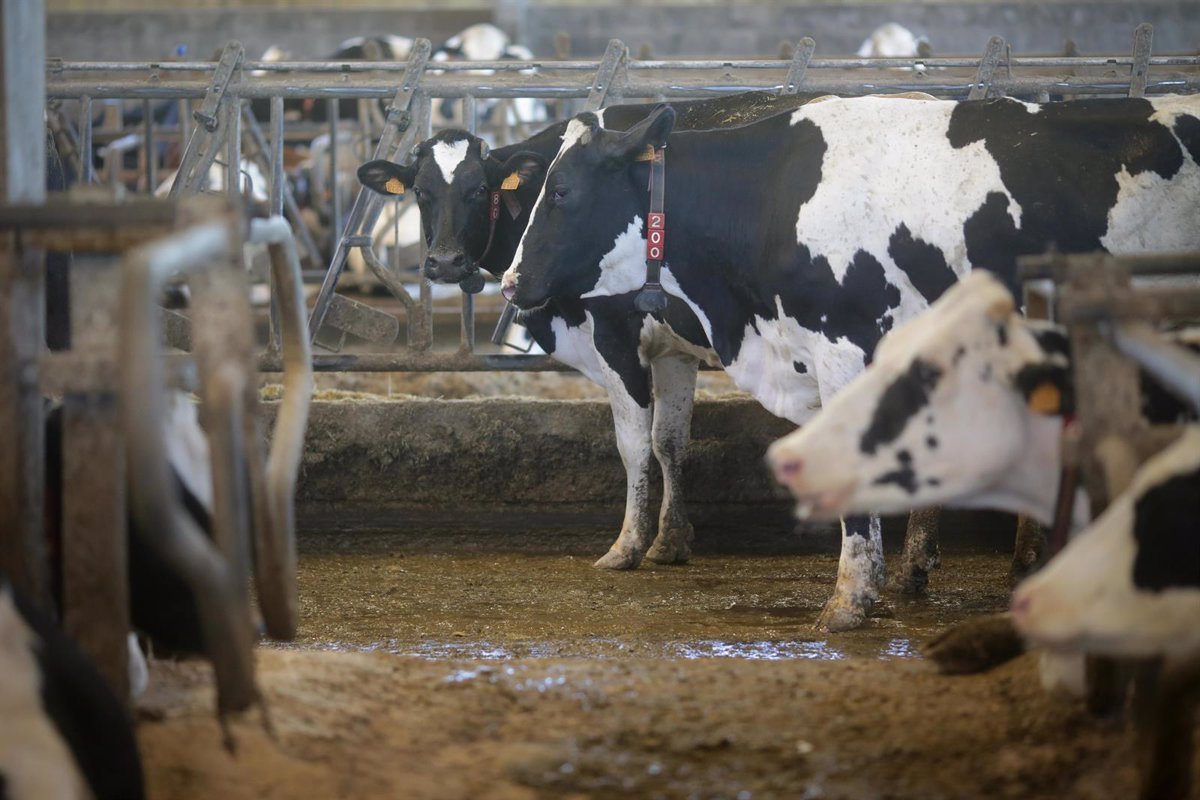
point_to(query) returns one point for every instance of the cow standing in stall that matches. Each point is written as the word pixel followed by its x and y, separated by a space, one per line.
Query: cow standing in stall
pixel 800 240
pixel 475 203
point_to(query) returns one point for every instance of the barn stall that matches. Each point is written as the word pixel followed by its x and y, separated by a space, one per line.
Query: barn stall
pixel 441 632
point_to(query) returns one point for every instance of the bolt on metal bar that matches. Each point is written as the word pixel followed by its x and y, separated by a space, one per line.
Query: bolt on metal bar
pixel 800 61
pixel 1143 41
pixel 231 59
pixel 615 55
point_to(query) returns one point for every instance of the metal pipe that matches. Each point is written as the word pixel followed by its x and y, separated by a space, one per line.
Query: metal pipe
pixel 151 150
pixel 335 196
pixel 232 109
pixel 228 635
pixel 277 184
pixel 1053 266
pixel 85 139
pixel 1175 367
pixel 421 361
pixel 277 557
pixel 591 66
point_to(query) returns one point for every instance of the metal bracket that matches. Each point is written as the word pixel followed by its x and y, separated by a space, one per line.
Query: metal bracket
pixel 206 138
pixel 358 319
pixel 614 60
pixel 367 204
pixel 1143 39
pixel 800 58
pixel 987 69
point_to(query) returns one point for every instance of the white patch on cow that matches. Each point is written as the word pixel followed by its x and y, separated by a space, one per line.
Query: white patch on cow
pixel 187 447
pixel 448 155
pixel 623 268
pixel 574 347
pixel 1152 213
pixel 1085 599
pixel 34 759
pixel 889 162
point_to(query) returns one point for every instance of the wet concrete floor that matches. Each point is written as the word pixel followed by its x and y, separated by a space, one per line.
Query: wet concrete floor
pixel 469 594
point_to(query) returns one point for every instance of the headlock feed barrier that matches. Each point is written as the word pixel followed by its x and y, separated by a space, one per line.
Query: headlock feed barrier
pixel 217 95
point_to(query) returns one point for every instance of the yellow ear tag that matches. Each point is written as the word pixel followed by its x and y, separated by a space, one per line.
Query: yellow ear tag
pixel 1045 399
pixel 511 182
pixel 647 154
pixel 394 186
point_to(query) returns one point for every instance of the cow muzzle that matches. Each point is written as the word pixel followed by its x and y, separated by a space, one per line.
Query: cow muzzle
pixel 442 267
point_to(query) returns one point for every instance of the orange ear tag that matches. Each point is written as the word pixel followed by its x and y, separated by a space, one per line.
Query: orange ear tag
pixel 511 182
pixel 1045 399
pixel 394 186
pixel 647 154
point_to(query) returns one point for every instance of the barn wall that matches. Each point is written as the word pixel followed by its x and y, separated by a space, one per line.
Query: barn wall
pixel 517 453
pixel 725 29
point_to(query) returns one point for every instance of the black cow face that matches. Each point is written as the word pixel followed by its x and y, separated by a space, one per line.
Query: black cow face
pixel 451 178
pixel 595 190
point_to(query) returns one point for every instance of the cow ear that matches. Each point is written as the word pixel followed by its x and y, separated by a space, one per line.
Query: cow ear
pixel 650 133
pixel 1047 389
pixel 387 178
pixel 519 169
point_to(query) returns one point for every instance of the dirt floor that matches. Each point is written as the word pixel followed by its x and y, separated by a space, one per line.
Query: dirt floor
pixel 472 670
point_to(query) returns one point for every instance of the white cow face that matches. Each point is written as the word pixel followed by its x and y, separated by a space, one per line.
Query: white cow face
pixel 940 417
pixel 1129 584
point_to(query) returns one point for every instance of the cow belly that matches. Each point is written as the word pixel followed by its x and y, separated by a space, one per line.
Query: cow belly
pixel 781 364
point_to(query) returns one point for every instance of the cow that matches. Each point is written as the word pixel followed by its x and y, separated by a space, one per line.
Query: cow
pixel 453 176
pixel 891 40
pixel 799 240
pixel 906 433
pixel 63 733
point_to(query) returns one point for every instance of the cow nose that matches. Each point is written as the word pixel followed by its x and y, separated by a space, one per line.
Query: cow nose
pixel 440 265
pixel 786 469
pixel 508 287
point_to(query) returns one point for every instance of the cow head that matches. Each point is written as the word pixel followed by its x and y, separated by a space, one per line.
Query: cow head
pixel 588 219
pixel 451 176
pixel 960 406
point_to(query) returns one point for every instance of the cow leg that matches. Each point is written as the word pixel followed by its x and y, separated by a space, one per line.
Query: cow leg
pixel 921 553
pixel 1030 550
pixel 674 393
pixel 633 424
pixel 860 575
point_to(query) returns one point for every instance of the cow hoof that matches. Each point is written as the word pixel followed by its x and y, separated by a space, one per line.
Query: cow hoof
pixel 617 559
pixel 912 581
pixel 674 553
pixel 841 615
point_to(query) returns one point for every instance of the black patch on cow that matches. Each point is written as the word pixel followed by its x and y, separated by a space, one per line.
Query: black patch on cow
pixel 959 352
pixel 858 526
pixel 933 482
pixel 680 318
pixel 1060 165
pixel 800 367
pixel 1168 540
pixel 903 399
pixel 886 324
pixel 1002 334
pixel 922 262
pixel 1053 340
pixel 931 442
pixel 616 333
pixel 84 711
pixel 3 787
pixel 1187 128
pixel 904 476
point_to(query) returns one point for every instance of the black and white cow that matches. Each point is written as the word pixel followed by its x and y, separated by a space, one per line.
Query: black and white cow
pixel 1129 584
pixel 799 240
pixel 63 733
pixel 650 388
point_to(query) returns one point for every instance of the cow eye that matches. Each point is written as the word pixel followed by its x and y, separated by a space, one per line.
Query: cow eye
pixel 559 194
pixel 417 193
pixel 482 190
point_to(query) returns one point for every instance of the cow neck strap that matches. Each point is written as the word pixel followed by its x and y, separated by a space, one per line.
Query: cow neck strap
pixel 493 215
pixel 652 299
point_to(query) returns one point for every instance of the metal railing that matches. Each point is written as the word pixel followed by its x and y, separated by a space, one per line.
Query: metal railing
pixel 412 87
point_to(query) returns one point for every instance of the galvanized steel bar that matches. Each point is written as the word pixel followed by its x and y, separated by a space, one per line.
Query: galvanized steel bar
pixel 987 69
pixel 332 110
pixel 800 61
pixel 1175 367
pixel 231 59
pixel 86 168
pixel 224 618
pixel 1143 42
pixel 615 56
pixel 398 124
pixel 231 111
pixel 418 361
